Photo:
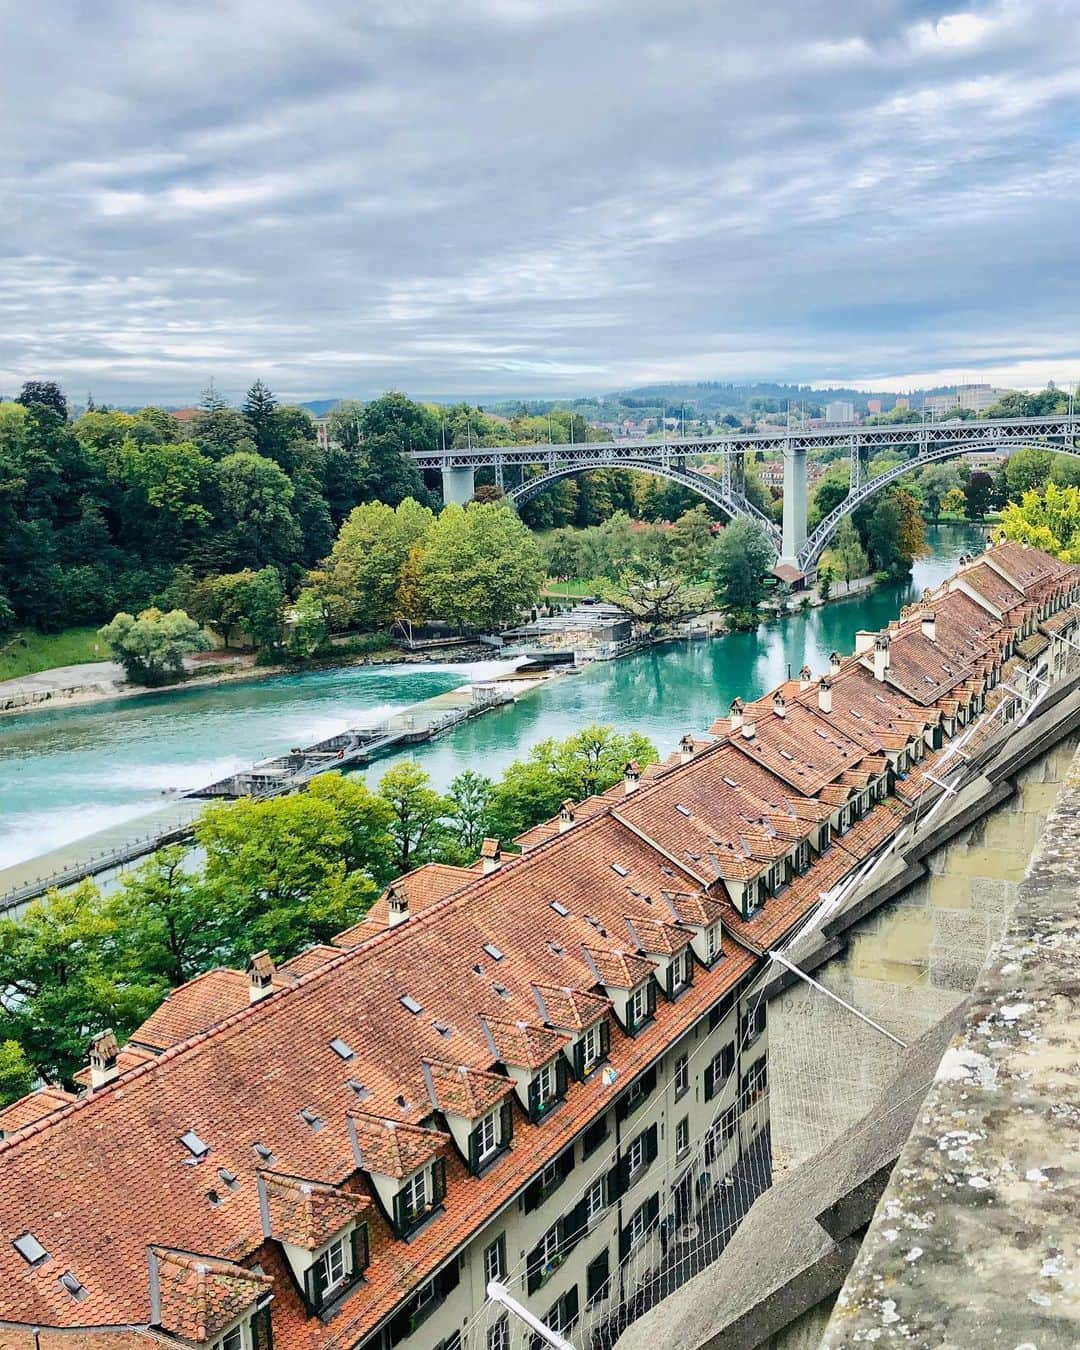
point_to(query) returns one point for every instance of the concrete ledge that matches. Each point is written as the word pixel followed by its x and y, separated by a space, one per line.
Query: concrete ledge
pixel 976 1240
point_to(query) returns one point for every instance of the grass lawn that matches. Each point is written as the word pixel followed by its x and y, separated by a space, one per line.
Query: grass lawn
pixel 25 652
pixel 570 590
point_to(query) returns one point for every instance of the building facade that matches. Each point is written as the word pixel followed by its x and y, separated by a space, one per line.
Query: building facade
pixel 525 1070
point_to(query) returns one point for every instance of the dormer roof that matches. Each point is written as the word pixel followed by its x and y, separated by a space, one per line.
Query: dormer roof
pixel 570 1009
pixel 619 970
pixel 460 1090
pixel 199 1296
pixel 523 1045
pixel 391 1148
pixel 304 1212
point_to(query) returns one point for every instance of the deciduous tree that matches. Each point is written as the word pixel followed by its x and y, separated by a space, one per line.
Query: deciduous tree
pixel 152 646
pixel 743 558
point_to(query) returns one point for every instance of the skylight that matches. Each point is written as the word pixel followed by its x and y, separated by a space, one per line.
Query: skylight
pixel 229 1178
pixel 493 951
pixel 786 754
pixel 683 810
pixel 730 782
pixel 410 1004
pixel 74 1286
pixel 559 908
pixel 194 1144
pixel 620 870
pixel 309 1117
pixel 443 1028
pixel 266 1154
pixel 360 1090
pixel 30 1249
pixel 340 1049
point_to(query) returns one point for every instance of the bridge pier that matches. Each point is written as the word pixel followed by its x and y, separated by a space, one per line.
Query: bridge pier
pixel 794 532
pixel 458 486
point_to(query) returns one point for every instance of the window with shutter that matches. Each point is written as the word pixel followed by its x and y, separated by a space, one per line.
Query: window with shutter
pixel 262 1336
pixel 710 1083
pixel 597 1274
pixel 594 1136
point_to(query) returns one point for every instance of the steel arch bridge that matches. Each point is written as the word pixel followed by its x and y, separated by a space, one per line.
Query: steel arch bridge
pixel 674 460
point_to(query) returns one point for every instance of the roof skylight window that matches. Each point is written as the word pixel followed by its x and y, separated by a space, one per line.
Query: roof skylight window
pixel 194 1144
pixel 266 1154
pixel 410 1004
pixel 229 1178
pixel 493 951
pixel 340 1048
pixel 360 1090
pixel 683 810
pixel 559 908
pixel 786 754
pixel 30 1249
pixel 620 870
pixel 730 782
pixel 310 1117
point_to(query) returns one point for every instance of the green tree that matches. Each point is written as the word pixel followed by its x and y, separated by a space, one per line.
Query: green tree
pixel 256 510
pixel 848 551
pixel 165 921
pixel 470 796
pixel 743 559
pixel 692 542
pixel 481 567
pixel 825 580
pixel 955 501
pixel 417 814
pixel 1049 520
pixel 45 393
pixel 217 602
pixel 1066 471
pixel 16 1072
pixel 259 408
pixel 652 587
pixel 277 875
pixel 562 555
pixel 936 481
pixel 152 647
pixel 360 578
pixel 58 984
pixel 1027 470
pixel 978 495
pixel 366 819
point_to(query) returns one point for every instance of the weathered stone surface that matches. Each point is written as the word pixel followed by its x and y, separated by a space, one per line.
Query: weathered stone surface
pixel 976 1241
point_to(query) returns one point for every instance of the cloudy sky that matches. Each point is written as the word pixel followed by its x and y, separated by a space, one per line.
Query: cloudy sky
pixel 502 196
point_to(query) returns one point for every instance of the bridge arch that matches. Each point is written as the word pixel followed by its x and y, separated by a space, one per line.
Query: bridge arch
pixel 732 503
pixel 820 537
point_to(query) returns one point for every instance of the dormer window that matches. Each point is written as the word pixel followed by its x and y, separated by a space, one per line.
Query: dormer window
pixel 592 1048
pixel 640 1007
pixel 419 1197
pixel 490 1137
pixel 712 943
pixel 337 1267
pixel 547 1087
pixel 680 972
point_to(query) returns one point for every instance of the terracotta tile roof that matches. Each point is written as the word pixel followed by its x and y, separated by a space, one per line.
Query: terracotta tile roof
pixel 804 751
pixel 1060 622
pixel 130 1057
pixel 700 909
pixel 656 936
pixel 989 584
pixel 1024 567
pixel 193 1007
pixel 463 1091
pixel 311 958
pixel 34 1106
pixel 569 1009
pixel 523 1045
pixel 619 970
pixel 201 1295
pixel 921 670
pixel 304 1212
pixel 423 887
pixel 393 1148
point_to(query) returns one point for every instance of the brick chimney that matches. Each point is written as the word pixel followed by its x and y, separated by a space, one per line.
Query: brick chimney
pixel 397 902
pixel 779 707
pixel 260 973
pixel 928 619
pixel 631 776
pixel 103 1051
pixel 490 855
pixel 686 749
pixel 881 655
pixel 566 816
pixel 806 679
pixel 735 712
pixel 824 695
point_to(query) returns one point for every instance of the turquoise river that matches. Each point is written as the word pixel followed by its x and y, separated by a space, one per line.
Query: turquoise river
pixel 69 773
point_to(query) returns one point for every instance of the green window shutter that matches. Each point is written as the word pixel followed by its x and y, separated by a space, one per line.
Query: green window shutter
pixel 359 1242
pixel 652 1213
pixel 562 1076
pixel 534 1193
pixel 262 1337
pixel 710 1084
pixel 613 1183
pixel 624 1243
pixel 533 1269
pixel 605 1038
pixel 650 998
pixel 650 1144
pixel 596 1277
pixel 474 1152
pixel 566 1162
pixel 579 1059
pixel 570 1308
pixel 648 1083
pixel 401 1222
pixel 534 1099
pixel 315 1286
pixel 438 1177
pixel 448 1278
pixel 506 1122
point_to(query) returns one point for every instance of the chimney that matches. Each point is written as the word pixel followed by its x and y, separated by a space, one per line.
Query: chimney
pixel 686 749
pixel 735 713
pixel 824 695
pixel 929 624
pixel 631 776
pixel 103 1052
pixel 806 679
pixel 864 640
pixel 881 655
pixel 490 855
pixel 778 704
pixel 835 662
pixel 260 973
pixel 397 902
pixel 748 731
pixel 566 816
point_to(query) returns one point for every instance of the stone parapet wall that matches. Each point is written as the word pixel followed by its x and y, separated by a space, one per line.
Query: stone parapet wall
pixel 976 1241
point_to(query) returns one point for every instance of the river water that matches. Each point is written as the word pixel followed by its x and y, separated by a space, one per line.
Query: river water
pixel 68 773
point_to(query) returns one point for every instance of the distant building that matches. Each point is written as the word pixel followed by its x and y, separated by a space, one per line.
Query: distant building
pixel 840 411
pixel 186 415
pixel 873 405
pixel 978 397
pixel 904 403
pixel 939 403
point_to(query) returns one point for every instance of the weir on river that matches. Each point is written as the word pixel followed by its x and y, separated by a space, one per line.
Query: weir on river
pixel 81 779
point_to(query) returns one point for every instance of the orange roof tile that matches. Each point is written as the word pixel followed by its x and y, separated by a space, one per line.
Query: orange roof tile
pixel 463 1091
pixel 34 1106
pixel 522 1045
pixel 392 1148
pixel 304 1212
pixel 201 1295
